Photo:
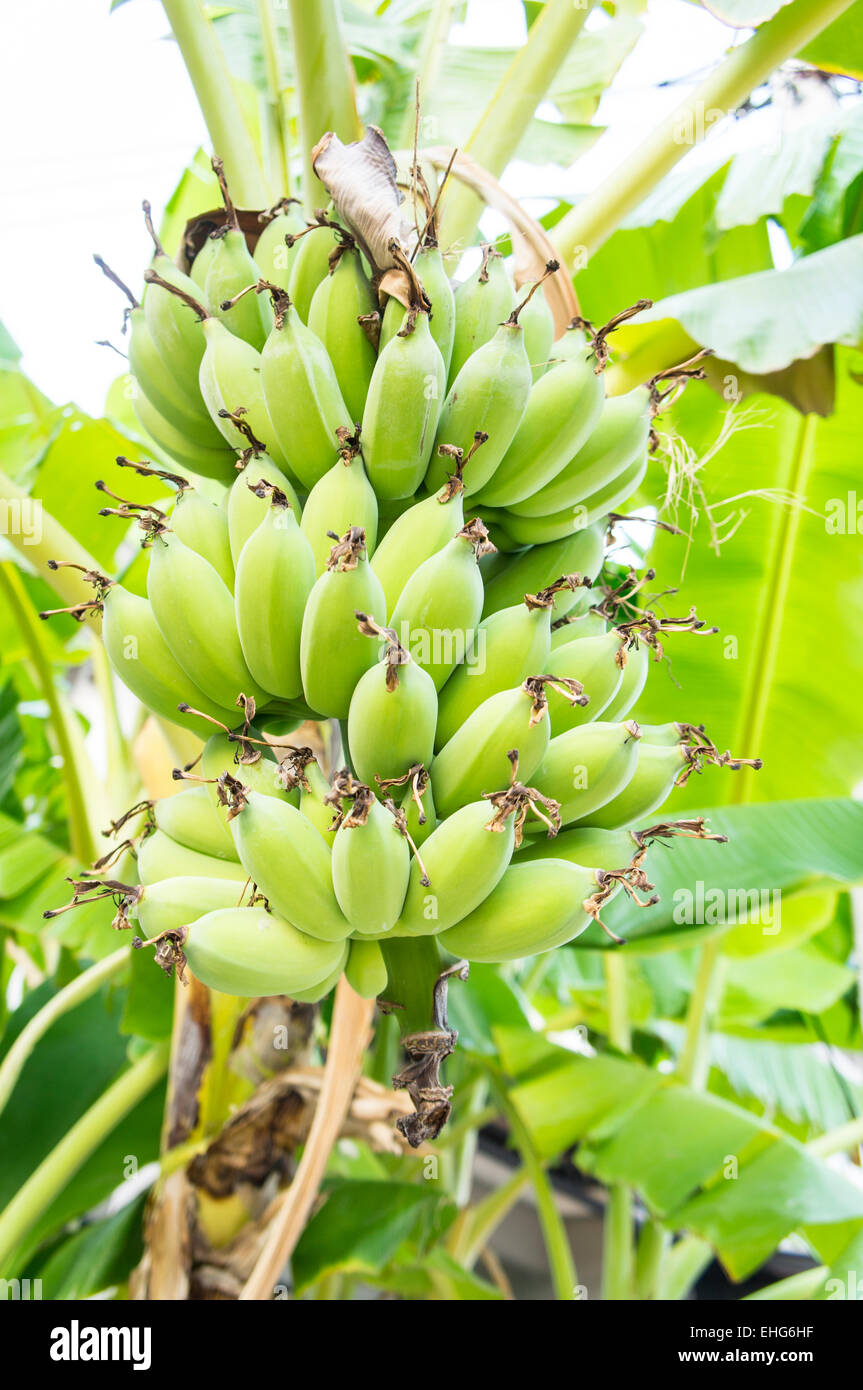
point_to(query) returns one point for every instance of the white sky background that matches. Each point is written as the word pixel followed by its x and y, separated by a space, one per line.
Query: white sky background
pixel 98 113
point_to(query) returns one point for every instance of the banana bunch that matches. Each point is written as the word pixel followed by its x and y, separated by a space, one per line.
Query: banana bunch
pixel 388 505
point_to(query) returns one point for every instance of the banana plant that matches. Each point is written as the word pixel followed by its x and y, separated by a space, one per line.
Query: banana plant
pixel 703 1032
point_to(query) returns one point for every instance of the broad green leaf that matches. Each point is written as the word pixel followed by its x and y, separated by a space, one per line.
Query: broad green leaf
pixel 835 210
pixel 799 918
pixel 580 1097
pixel 359 1229
pixel 804 978
pixel 797 1080
pixel 761 180
pixel 765 321
pixel 839 47
pixel 100 1255
pixel 150 1001
pixel 780 681
pixel 482 1000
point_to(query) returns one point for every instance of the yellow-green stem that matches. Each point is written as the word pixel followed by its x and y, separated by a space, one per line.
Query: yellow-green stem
pixel 593 220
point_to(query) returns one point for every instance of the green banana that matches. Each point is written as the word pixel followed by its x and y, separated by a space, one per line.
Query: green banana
pixel 562 411
pixel 203 527
pixel 536 569
pixel 393 711
pixel 173 327
pixel 201 264
pixel 241 756
pixel 596 663
pixel 420 532
pixel 476 756
pixel 333 653
pixel 316 993
pixel 544 529
pixel 577 625
pixel 371 860
pixel 417 804
pixel 343 307
pixel 301 392
pixel 246 508
pixel 463 860
pixel 510 644
pixel 537 321
pixel 161 857
pixel 311 265
pixel 275 575
pixel 429 266
pixel 190 819
pixel 587 766
pixel 402 409
pixel 231 269
pixel 656 772
pixel 441 604
pixel 633 681
pixel 482 303
pixel 272 255
pixel 366 969
pixel 144 661
pixel 490 394
pixel 172 904
pixel 217 462
pixel 621 435
pixel 535 907
pixel 252 952
pixel 288 860
pixel 314 790
pixel 342 498
pixel 195 613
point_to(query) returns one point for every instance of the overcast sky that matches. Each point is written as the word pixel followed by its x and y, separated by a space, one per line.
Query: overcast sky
pixel 99 113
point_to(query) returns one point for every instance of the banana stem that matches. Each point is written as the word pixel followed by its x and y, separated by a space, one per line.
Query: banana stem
pixel 217 98
pixel 557 1246
pixel 504 122
pixel 650 1254
pixel 325 84
pixel 685 1263
pixel 79 989
pixel 82 840
pixel 593 220
pixel 428 61
pixel 63 1162
pixel 413 966
pixel 839 1140
pixel 276 100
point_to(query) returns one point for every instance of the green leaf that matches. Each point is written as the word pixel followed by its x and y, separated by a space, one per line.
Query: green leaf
pixel 839 47
pixel 150 1001
pixel 804 978
pixel 780 681
pixel 797 1080
pixel 481 1001
pixel 359 1229
pixel 95 1258
pixel 835 211
pixel 766 321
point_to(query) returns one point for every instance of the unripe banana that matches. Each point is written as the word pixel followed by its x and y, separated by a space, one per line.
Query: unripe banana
pixel 216 462
pixel 511 644
pixel 316 993
pixel 632 683
pixel 287 858
pixel 417 805
pixel 577 625
pixel 203 527
pixel 371 861
pixel 230 270
pixel 538 568
pixel 310 266
pixel 585 767
pixel 429 266
pixel 314 790
pixel 537 321
pixel 273 257
pixel 489 394
pixel 145 663
pixel 251 952
pixel 342 498
pixel 275 575
pixel 301 392
pixel 190 818
pixel 418 533
pixel 476 756
pixel 462 862
pixel 652 782
pixel 620 436
pixel 173 326
pixel 393 711
pixel 402 409
pixel 544 529
pixel 665 735
pixel 366 969
pixel 333 653
pixel 482 303
pixel 441 604
pixel 341 305
pixel 242 757
pixel 246 509
pixel 535 907
pixel 195 613
pixel 562 411
pixel 160 857
pixel 175 902
pixel 596 663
